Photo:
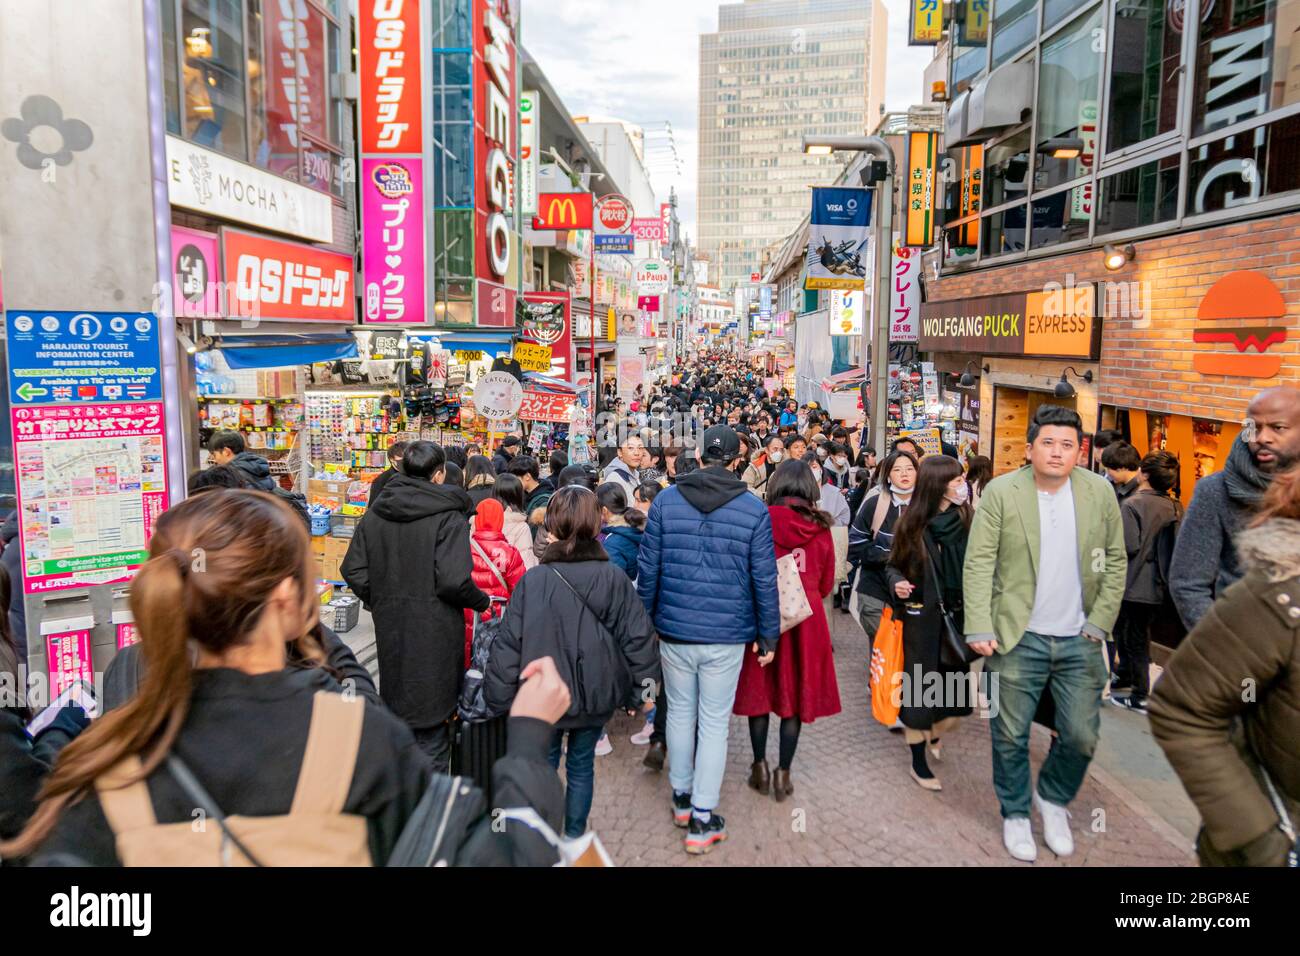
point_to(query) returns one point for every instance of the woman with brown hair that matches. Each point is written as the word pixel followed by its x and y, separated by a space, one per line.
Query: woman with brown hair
pixel 227 590
pixel 584 612
pixel 1234 751
pixel 929 548
pixel 799 686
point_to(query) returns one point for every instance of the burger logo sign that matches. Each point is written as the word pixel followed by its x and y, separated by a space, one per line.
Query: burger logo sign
pixel 1238 296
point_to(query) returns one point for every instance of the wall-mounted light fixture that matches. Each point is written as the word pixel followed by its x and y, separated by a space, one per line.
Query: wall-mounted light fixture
pixel 1064 389
pixel 1117 257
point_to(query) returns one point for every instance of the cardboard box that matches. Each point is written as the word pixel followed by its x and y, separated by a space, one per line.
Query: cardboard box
pixel 331 560
pixel 331 494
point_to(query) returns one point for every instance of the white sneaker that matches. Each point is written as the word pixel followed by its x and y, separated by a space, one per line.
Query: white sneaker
pixel 1018 838
pixel 1056 826
pixel 642 736
pixel 603 746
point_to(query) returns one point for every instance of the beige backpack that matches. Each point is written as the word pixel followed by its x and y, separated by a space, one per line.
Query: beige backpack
pixel 315 832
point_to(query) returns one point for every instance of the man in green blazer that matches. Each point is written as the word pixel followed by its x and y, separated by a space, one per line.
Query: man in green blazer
pixel 1043 581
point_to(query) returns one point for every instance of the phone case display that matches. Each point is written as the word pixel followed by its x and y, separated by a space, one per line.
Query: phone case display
pixel 353 430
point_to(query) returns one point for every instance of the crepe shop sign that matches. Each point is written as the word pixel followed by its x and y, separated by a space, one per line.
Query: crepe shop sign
pixel 543 407
pixel 286 280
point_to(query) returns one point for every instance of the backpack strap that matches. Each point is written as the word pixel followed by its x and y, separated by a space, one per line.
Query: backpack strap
pixel 884 499
pixel 331 754
pixel 127 806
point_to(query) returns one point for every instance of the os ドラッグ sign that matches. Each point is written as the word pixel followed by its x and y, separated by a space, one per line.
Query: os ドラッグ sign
pixel 1052 322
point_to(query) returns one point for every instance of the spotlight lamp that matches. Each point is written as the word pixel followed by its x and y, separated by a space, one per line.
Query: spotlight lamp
pixel 1117 257
pixel 1064 389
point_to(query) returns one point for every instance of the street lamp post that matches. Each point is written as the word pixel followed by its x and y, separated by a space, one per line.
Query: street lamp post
pixel 875 339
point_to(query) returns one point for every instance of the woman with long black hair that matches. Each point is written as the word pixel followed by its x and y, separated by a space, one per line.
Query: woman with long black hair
pixel 929 548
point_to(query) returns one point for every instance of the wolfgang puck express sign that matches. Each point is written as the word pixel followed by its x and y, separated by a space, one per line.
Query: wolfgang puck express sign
pixel 1054 321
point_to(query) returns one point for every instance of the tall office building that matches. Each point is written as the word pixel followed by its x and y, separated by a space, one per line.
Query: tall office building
pixel 774 71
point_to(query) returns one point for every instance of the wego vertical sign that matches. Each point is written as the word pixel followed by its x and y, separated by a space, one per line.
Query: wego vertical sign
pixel 494 119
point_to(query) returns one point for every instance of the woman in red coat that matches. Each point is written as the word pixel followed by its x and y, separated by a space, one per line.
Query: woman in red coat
pixel 799 685
pixel 490 539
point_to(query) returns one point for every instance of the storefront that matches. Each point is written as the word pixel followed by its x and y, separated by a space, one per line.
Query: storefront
pixel 1195 325
pixel 1024 349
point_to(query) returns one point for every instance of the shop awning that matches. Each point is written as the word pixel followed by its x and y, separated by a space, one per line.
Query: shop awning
pixel 488 343
pixel 285 351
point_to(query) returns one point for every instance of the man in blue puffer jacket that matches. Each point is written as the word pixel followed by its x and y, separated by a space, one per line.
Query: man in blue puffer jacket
pixel 707 575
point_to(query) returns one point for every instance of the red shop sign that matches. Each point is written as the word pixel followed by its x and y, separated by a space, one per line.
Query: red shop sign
pixel 543 407
pixel 388 52
pixel 273 279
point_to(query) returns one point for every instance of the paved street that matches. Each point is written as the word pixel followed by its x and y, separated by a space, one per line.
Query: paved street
pixel 854 803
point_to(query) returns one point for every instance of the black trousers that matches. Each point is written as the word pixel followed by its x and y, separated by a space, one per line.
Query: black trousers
pixel 436 744
pixel 659 734
pixel 1134 639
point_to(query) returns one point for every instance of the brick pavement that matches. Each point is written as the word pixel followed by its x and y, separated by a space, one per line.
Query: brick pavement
pixel 855 804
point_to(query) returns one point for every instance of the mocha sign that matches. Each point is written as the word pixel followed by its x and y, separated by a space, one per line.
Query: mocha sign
pixel 1054 321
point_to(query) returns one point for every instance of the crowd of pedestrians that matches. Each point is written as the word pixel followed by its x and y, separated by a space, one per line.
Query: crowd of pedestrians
pixel 689 577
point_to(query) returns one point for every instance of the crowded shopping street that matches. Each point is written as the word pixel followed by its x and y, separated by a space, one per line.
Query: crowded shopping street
pixel 711 435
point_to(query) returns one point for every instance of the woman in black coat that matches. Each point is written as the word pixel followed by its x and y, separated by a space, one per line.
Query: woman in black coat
pixel 410 563
pixel 584 612
pixel 929 545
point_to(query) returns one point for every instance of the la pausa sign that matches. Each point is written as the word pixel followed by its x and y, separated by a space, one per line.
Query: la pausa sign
pixel 1054 321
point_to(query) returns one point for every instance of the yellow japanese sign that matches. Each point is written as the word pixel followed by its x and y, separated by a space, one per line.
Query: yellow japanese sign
pixel 533 358
pixel 919 198
pixel 926 27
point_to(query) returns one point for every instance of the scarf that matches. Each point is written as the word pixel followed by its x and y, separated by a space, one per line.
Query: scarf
pixel 1242 479
pixel 948 531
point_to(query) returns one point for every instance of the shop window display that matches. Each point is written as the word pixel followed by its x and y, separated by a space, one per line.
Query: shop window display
pixel 212 74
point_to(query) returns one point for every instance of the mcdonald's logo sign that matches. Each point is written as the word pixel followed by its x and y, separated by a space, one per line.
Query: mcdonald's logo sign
pixel 558 211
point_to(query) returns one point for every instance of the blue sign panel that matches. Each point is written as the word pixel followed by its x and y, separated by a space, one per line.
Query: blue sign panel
pixel 616 245
pixel 82 357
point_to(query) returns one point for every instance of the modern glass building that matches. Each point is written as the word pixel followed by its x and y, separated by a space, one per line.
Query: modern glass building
pixel 774 71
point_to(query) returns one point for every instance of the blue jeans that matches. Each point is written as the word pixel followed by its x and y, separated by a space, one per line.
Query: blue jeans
pixel 1075 669
pixel 701 683
pixel 579 775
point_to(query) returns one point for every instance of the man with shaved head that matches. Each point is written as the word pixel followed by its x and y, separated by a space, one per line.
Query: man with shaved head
pixel 1205 558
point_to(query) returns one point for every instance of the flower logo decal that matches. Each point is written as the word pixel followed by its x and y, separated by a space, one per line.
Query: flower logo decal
pixel 42 134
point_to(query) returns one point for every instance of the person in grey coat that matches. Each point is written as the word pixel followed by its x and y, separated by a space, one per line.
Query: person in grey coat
pixel 1205 559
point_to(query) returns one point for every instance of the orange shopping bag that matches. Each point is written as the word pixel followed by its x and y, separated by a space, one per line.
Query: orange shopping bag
pixel 886 661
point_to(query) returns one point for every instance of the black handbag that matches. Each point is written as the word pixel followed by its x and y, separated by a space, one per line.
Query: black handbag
pixel 954 652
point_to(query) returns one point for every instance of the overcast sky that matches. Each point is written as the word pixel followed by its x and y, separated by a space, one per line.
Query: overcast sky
pixel 638 60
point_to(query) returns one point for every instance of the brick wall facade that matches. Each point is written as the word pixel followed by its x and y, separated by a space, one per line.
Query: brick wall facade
pixel 1149 310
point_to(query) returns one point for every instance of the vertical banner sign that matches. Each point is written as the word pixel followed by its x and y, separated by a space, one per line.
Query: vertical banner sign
pixel 666 214
pixel 293 44
pixel 972 194
pixel 905 297
pixel 529 125
pixel 926 25
pixel 921 160
pixel 1081 196
pixel 391 111
pixel 494 123
pixel 839 232
pixel 86 413
pixel 975 26
pixel 846 312
pixel 196 274
pixel 548 319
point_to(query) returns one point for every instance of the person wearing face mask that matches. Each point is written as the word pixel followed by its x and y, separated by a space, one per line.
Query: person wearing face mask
pixel 837 466
pixel 925 578
pixel 872 534
pixel 759 471
pixel 834 504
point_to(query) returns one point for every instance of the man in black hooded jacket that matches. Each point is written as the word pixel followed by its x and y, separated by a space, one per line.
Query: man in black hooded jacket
pixel 410 563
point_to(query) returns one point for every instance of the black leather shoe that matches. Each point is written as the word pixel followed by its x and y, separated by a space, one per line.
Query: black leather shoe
pixel 760 777
pixel 655 756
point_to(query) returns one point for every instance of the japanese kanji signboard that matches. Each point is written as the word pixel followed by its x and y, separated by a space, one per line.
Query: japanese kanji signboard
pixel 921 162
pixel 91 485
pixel 905 295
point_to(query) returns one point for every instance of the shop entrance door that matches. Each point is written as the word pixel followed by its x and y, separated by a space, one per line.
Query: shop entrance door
pixel 1012 410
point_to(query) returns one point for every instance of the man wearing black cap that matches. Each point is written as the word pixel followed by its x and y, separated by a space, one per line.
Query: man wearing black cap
pixel 509 448
pixel 707 575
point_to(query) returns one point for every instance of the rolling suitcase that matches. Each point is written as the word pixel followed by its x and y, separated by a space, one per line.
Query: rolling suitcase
pixel 477 747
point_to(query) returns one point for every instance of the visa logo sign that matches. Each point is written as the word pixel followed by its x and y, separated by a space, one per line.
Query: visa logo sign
pixel 830 207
